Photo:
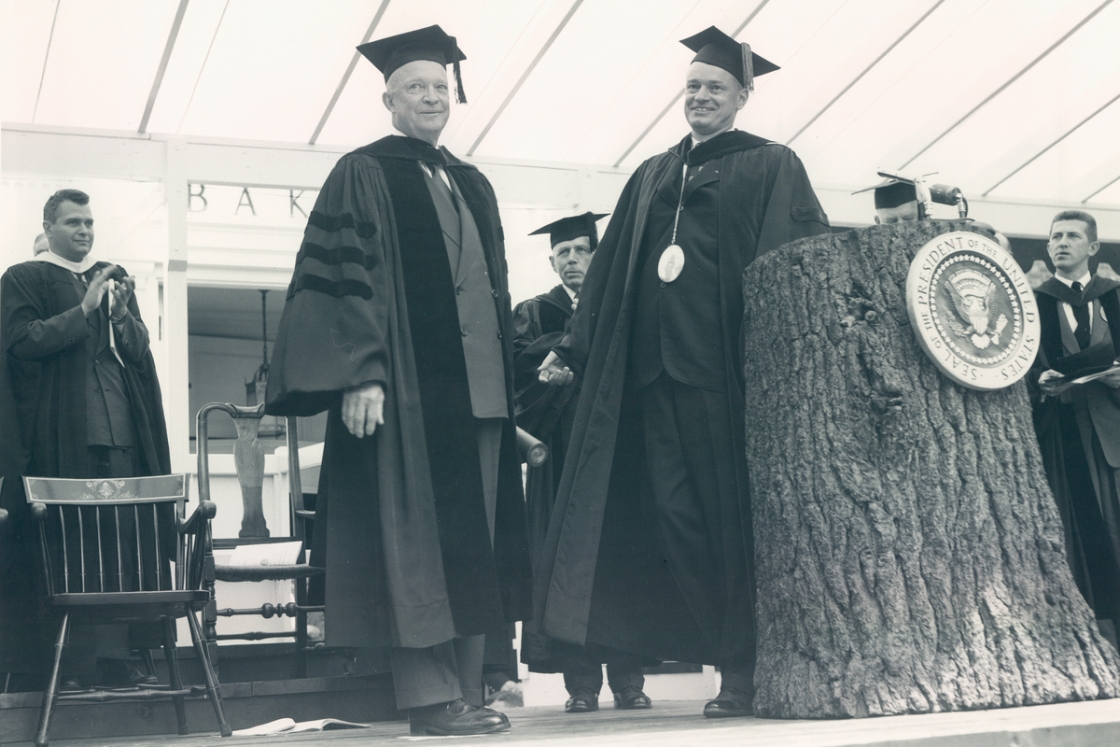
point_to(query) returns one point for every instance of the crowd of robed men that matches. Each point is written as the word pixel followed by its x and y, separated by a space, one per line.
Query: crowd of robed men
pixel 635 543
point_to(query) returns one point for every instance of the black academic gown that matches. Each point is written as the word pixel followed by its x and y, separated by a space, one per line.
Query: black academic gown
pixel 43 426
pixel 544 411
pixel 1079 434
pixel 404 538
pixel 601 578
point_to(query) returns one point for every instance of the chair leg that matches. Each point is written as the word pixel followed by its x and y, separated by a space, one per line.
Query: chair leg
pixel 149 661
pixel 50 695
pixel 211 679
pixel 174 679
pixel 301 628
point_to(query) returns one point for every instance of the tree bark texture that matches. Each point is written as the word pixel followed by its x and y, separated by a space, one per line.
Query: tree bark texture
pixel 910 557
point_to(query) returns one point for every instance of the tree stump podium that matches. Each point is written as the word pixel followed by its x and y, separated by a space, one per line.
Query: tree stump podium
pixel 910 556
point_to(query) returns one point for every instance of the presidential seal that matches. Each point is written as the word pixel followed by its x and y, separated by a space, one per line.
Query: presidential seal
pixel 972 310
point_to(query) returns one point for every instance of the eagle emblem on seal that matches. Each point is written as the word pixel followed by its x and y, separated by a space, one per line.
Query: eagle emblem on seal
pixel 972 293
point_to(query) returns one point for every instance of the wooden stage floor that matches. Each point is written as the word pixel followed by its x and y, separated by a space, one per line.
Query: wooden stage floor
pixel 669 724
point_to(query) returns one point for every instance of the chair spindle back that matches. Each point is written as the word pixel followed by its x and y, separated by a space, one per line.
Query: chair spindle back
pixel 111 535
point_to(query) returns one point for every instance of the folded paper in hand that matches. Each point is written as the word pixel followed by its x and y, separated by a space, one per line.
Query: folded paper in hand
pixel 1093 359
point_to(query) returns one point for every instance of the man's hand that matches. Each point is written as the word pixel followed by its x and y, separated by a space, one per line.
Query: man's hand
pixel 361 409
pixel 96 290
pixel 1047 385
pixel 122 291
pixel 553 371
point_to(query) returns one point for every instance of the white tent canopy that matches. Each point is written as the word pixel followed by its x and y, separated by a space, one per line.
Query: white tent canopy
pixel 1012 100
pixel 144 103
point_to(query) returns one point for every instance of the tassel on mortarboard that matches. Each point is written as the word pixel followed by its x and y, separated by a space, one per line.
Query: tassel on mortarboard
pixel 713 47
pixel 459 95
pixel 748 67
pixel 431 43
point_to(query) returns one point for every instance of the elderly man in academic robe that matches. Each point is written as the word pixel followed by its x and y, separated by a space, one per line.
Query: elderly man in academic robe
pixel 548 412
pixel 650 548
pixel 79 398
pixel 398 322
pixel 1078 425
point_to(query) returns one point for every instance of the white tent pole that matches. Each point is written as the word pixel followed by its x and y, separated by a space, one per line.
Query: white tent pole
pixel 176 405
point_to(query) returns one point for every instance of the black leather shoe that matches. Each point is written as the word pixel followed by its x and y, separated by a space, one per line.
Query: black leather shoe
pixel 582 702
pixel 457 718
pixel 631 699
pixel 122 673
pixel 730 703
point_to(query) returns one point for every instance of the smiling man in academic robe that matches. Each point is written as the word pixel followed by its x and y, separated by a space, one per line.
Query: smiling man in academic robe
pixel 398 322
pixel 650 549
pixel 79 398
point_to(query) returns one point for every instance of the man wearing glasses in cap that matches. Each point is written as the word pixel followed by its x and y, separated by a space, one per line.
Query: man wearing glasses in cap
pixel 398 323
pixel 651 548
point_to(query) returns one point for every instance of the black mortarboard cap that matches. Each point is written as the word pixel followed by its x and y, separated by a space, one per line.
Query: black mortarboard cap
pixel 572 227
pixel 714 47
pixel 430 43
pixel 892 193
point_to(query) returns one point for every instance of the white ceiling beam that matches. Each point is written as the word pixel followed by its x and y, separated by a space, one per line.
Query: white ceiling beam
pixel 346 76
pixel 46 56
pixel 866 70
pixel 1059 139
pixel 1007 84
pixel 167 49
pixel 525 75
pixel 46 152
pixel 1098 191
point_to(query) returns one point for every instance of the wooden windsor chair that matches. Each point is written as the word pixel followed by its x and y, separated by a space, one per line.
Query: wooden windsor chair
pixel 248 455
pixel 107 547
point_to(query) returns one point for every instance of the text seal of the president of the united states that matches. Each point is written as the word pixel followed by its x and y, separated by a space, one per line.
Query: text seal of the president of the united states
pixel 972 310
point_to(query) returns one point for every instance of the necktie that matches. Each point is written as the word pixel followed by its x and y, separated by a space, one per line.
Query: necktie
pixel 441 185
pixel 1081 316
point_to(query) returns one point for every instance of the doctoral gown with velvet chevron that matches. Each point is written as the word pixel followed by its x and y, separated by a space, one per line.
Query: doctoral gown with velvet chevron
pixel 401 525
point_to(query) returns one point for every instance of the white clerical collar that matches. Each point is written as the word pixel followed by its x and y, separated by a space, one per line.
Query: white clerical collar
pixel 571 293
pixel 1084 280
pixel 76 267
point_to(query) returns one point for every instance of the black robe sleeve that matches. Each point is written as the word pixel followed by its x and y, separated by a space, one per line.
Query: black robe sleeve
pixel 332 334
pixel 538 405
pixel 793 211
pixel 30 332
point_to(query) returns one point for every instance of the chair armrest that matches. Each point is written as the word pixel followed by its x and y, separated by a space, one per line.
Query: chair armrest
pixel 205 512
pixel 238 573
